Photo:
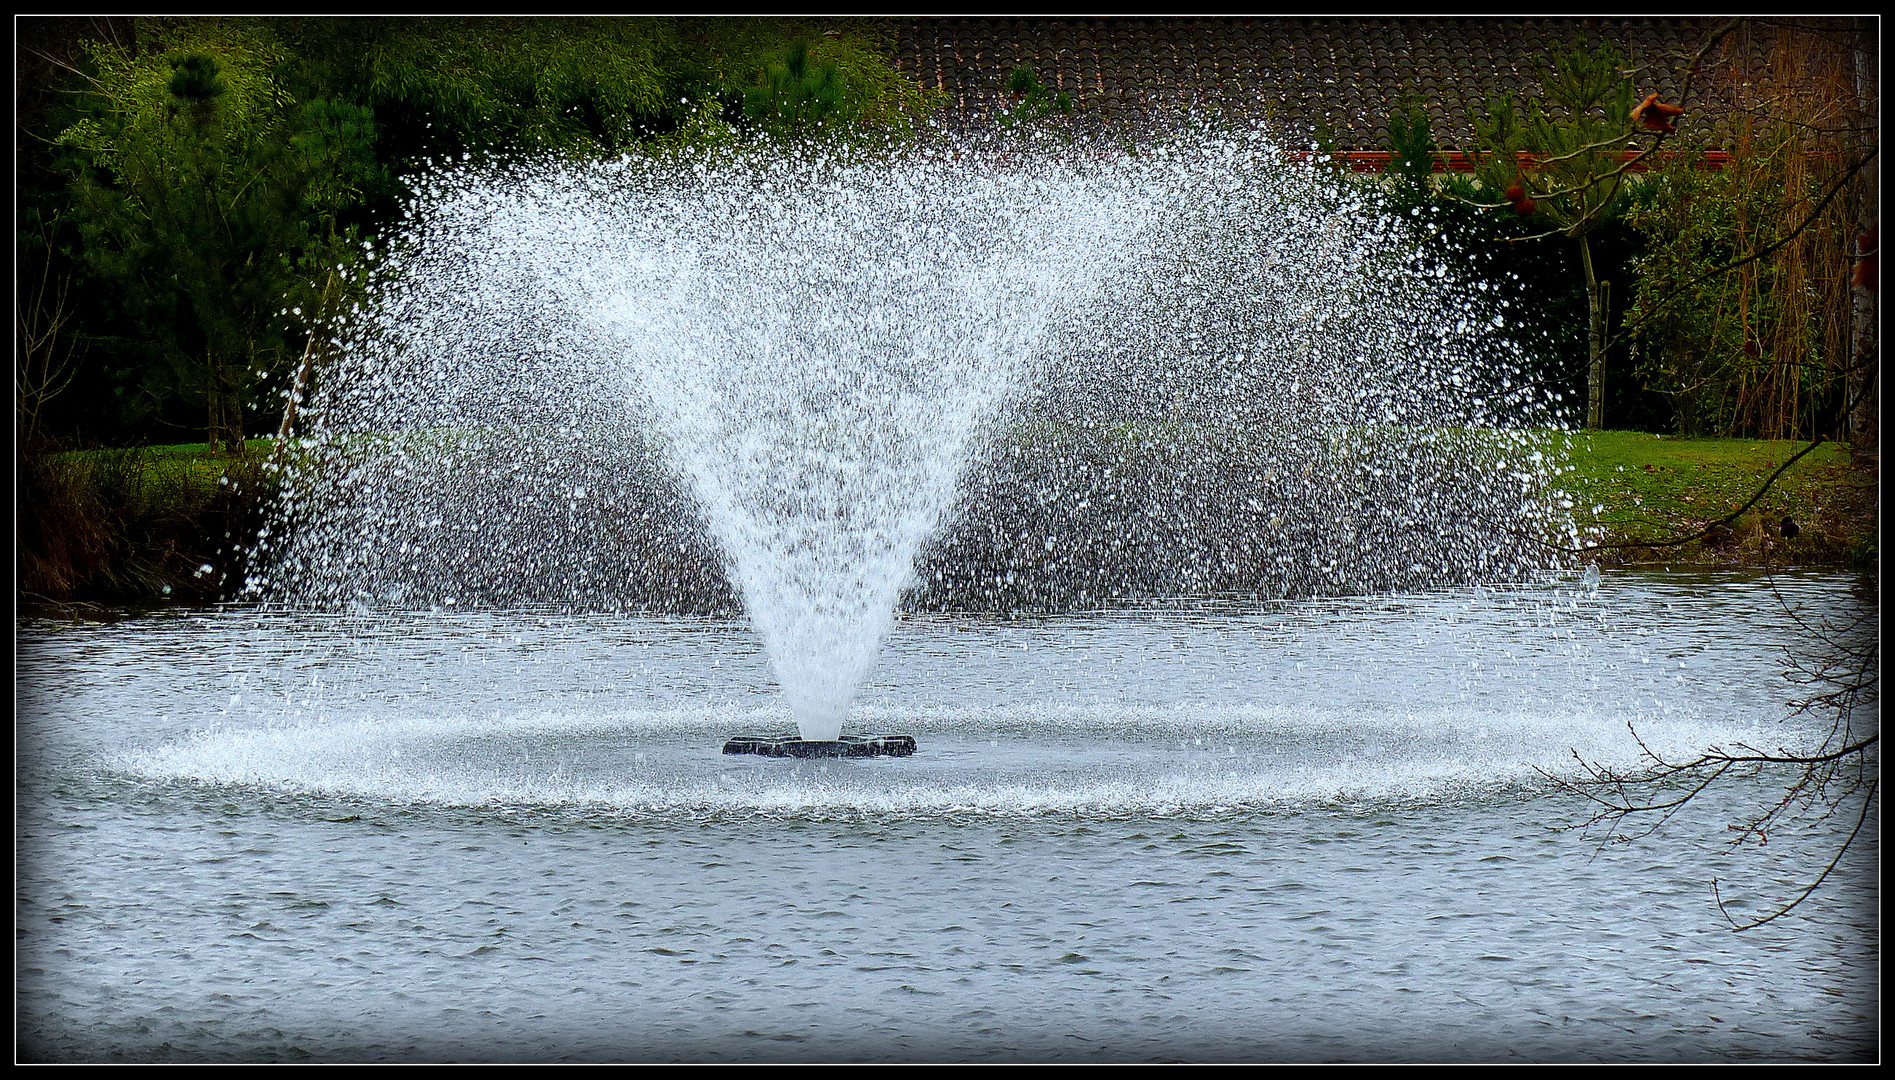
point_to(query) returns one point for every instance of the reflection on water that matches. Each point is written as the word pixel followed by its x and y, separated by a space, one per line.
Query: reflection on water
pixel 1215 830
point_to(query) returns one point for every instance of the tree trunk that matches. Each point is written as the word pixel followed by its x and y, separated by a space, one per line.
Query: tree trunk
pixel 233 422
pixel 224 430
pixel 1595 340
pixel 298 386
pixel 213 403
pixel 1860 387
pixel 311 351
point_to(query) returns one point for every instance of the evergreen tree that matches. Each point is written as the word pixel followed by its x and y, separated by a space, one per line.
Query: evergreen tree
pixel 208 196
pixel 1562 163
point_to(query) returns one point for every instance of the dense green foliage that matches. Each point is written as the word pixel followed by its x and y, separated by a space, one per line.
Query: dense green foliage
pixel 209 198
pixel 1695 336
pixel 198 195
pixel 1504 254
pixel 833 85
pixel 1746 346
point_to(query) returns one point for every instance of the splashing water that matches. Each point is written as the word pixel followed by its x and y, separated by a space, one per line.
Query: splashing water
pixel 818 345
pixel 649 382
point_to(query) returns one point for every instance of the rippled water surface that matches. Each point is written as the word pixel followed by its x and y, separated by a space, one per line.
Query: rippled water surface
pixel 1199 831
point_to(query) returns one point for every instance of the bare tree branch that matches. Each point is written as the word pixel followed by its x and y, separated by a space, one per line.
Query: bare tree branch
pixel 1818 782
pixel 1678 541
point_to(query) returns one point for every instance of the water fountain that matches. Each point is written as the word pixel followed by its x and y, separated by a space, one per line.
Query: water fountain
pixel 1185 516
pixel 1195 369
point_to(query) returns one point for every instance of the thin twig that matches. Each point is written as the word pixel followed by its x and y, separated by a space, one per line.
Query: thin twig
pixel 1701 533
pixel 1868 801
pixel 1809 219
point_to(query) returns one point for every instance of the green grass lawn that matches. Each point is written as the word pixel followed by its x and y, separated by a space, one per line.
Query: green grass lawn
pixel 185 473
pixel 1651 487
pixel 169 505
pixel 1647 488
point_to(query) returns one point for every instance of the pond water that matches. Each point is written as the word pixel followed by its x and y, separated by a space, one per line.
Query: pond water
pixel 1206 830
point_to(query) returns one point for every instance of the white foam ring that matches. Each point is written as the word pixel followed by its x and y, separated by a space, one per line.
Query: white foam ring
pixel 1091 760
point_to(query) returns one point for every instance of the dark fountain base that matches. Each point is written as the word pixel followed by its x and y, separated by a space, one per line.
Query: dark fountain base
pixel 846 746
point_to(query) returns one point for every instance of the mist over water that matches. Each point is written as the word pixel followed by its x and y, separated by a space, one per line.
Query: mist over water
pixel 821 387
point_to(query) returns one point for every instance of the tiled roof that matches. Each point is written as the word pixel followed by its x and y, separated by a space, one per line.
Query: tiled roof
pixel 1335 78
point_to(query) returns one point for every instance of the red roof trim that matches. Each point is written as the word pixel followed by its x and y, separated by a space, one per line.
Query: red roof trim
pixel 1455 161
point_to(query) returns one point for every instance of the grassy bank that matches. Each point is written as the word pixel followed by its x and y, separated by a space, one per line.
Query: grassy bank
pixel 1651 488
pixel 138 527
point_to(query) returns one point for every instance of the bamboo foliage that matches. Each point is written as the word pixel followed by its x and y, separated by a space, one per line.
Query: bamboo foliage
pixel 1760 349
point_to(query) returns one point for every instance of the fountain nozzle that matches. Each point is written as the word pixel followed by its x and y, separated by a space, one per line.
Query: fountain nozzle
pixel 845 746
